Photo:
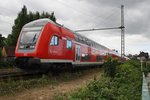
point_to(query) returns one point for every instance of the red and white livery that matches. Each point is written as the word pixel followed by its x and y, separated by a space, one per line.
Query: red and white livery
pixel 43 42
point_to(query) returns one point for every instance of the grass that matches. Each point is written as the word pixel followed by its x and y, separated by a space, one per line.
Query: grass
pixel 125 85
pixel 6 64
pixel 11 87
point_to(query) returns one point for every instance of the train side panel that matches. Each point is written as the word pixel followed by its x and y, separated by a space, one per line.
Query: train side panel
pixel 57 44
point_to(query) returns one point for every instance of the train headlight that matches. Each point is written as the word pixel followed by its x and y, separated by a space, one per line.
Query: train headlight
pixel 32 46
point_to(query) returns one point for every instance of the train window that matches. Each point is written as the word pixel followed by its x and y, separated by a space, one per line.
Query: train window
pixel 99 58
pixel 85 57
pixel 69 44
pixel 54 40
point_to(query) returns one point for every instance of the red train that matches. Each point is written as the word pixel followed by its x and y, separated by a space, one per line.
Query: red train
pixel 43 43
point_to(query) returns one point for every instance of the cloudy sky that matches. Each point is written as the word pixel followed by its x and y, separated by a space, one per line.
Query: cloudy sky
pixel 85 14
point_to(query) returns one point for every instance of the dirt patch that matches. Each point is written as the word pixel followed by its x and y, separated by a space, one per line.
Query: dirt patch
pixel 48 92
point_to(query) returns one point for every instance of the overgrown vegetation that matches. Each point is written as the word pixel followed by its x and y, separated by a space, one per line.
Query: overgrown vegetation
pixel 146 67
pixel 125 85
pixel 110 67
pixel 12 86
pixel 6 64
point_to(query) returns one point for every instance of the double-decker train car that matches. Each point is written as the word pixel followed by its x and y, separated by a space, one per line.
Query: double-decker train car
pixel 43 44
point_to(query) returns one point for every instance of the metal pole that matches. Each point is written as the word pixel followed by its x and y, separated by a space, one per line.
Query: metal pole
pixel 141 63
pixel 122 32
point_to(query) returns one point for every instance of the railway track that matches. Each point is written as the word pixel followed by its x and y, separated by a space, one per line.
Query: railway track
pixel 19 75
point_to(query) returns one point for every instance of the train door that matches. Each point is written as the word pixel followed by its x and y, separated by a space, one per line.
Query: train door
pixel 77 53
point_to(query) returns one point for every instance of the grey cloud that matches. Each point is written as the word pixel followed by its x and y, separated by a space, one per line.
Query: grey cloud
pixel 85 14
pixel 129 3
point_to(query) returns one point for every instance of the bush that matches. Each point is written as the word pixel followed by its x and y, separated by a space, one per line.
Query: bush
pixel 126 85
pixel 146 68
pixel 129 80
pixel 110 67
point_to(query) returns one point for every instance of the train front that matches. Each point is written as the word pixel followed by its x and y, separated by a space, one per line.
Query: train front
pixel 27 49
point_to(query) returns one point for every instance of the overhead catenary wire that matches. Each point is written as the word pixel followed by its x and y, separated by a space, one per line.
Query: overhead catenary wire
pixel 122 31
pixel 95 29
pixel 83 12
pixel 103 21
pixel 79 11
pixel 107 19
pixel 91 17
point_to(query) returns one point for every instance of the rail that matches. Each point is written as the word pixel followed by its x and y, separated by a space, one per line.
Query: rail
pixel 18 75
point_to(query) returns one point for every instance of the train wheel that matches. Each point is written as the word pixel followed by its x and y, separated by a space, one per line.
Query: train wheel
pixel 55 70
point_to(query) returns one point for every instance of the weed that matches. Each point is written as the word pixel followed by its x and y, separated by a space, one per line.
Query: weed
pixel 125 85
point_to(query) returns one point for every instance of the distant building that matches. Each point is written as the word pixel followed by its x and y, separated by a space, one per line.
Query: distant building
pixel 130 56
pixel 144 55
pixel 8 53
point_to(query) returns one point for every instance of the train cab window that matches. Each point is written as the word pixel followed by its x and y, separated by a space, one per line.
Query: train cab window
pixel 68 44
pixel 54 40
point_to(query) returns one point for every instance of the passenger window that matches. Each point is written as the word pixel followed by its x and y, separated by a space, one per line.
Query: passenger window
pixel 54 40
pixel 69 44
pixel 85 57
pixel 99 58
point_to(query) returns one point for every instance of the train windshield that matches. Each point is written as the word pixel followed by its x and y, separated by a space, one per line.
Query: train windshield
pixel 30 36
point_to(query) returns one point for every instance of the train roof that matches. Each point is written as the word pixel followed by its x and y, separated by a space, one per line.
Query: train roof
pixel 39 22
pixel 89 42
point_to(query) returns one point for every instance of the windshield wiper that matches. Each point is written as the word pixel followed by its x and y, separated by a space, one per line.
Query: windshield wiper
pixel 34 38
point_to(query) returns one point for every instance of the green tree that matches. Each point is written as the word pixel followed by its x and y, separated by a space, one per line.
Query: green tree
pixel 37 15
pixel 9 39
pixel 30 16
pixel 52 17
pixel 2 40
pixel 23 18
